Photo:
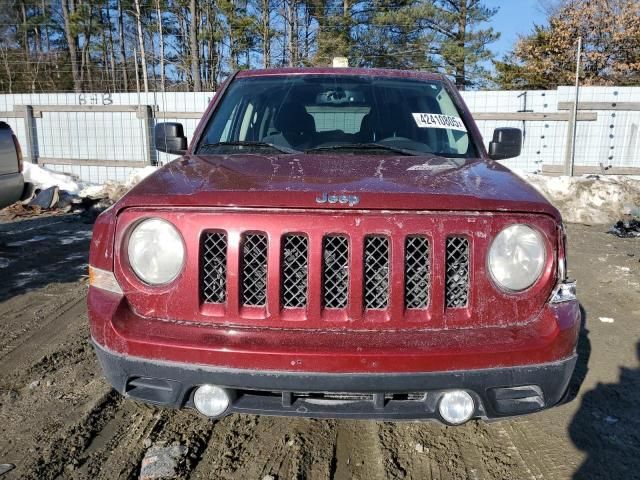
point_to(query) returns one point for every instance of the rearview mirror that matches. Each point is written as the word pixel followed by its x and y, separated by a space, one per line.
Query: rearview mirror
pixel 169 138
pixel 506 143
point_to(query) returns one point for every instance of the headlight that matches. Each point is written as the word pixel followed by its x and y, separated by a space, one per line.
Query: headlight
pixel 156 251
pixel 517 257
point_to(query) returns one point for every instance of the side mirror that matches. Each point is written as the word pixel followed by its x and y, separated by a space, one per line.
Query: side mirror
pixel 506 143
pixel 169 138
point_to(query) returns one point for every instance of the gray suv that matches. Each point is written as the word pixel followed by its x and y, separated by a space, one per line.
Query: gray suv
pixel 11 180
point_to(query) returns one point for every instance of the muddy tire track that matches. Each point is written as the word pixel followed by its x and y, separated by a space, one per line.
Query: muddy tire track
pixel 116 450
pixel 358 451
pixel 26 316
pixel 62 453
pixel 247 446
pixel 427 450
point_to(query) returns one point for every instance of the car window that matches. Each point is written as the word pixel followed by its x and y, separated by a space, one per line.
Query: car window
pixel 316 112
pixel 230 117
pixel 347 119
pixel 247 121
pixel 458 140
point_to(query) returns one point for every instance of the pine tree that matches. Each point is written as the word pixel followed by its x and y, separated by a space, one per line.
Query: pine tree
pixel 462 45
pixel 394 34
pixel 334 37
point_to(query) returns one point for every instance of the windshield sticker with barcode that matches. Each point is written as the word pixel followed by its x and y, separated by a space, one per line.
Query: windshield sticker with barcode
pixel 436 120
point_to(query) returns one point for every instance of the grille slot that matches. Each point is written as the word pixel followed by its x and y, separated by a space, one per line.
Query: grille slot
pixel 457 272
pixel 214 267
pixel 254 269
pixel 294 271
pixel 376 272
pixel 335 269
pixel 417 267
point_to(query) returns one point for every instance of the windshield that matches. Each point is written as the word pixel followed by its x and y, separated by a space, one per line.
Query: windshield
pixel 346 113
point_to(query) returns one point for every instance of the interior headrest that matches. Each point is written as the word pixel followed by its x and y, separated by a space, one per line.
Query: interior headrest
pixel 293 117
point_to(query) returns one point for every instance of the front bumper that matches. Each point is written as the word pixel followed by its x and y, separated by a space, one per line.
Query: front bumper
pixel 550 337
pixel 498 392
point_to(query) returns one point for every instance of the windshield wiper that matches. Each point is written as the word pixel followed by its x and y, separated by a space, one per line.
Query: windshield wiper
pixel 366 146
pixel 239 143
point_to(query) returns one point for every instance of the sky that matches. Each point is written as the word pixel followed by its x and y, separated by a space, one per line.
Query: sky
pixel 514 17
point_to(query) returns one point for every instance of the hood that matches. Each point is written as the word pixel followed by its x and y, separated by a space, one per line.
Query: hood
pixel 343 181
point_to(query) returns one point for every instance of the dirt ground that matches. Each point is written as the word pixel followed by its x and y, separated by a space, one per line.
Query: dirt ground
pixel 59 418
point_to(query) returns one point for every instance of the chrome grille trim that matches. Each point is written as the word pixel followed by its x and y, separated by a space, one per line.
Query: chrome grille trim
pixel 295 253
pixel 254 269
pixel 416 257
pixel 335 271
pixel 376 272
pixel 417 272
pixel 457 272
pixel 214 267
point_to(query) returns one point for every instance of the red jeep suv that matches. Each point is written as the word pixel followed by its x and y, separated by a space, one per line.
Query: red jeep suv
pixel 335 243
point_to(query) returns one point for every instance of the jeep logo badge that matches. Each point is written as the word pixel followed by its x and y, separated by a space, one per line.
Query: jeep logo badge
pixel 343 198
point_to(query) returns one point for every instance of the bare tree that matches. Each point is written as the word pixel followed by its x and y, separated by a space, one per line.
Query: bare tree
pixel 161 39
pixel 291 9
pixel 109 50
pixel 265 31
pixel 193 46
pixel 143 57
pixel 123 49
pixel 72 44
pixel 5 60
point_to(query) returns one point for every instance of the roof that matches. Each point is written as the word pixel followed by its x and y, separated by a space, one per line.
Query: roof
pixel 370 72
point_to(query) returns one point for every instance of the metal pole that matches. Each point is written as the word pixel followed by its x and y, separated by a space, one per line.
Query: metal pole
pixel 575 108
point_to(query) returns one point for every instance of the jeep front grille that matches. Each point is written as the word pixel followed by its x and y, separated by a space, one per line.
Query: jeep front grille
pixel 320 279
pixel 254 269
pixel 457 273
pixel 295 250
pixel 376 272
pixel 335 281
pixel 416 272
pixel 214 267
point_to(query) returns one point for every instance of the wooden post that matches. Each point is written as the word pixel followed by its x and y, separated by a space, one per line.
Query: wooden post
pixel 30 132
pixel 569 139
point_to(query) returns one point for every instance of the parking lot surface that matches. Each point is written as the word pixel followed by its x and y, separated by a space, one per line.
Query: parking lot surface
pixel 60 419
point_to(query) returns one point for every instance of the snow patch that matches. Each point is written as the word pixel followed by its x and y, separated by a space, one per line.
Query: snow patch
pixel 137 176
pixel 78 237
pixel 37 238
pixel 29 273
pixel 593 199
pixel 44 178
pixel 606 319
pixel 114 190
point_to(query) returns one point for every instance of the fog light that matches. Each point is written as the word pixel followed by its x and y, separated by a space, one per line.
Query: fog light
pixel 456 407
pixel 211 401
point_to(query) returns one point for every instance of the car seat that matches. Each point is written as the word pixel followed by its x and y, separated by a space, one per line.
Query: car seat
pixel 295 127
